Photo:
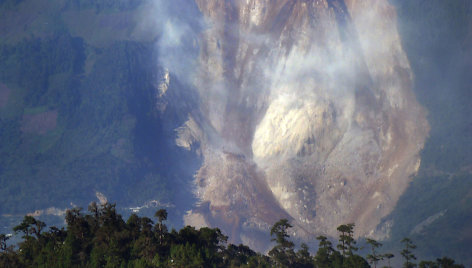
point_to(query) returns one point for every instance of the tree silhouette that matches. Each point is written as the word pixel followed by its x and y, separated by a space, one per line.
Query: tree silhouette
pixel 26 226
pixel 428 264
pixel 100 238
pixel 3 242
pixel 282 252
pixel 304 260
pixel 446 262
pixel 161 216
pixel 374 257
pixel 388 256
pixel 326 256
pixel 346 239
pixel 407 253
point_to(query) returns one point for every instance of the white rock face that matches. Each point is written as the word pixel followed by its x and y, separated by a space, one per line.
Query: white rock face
pixel 307 112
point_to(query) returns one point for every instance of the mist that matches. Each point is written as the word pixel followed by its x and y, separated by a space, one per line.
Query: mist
pixel 305 111
pixel 177 25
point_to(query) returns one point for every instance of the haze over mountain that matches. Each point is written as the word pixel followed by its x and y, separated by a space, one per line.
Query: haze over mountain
pixel 239 113
pixel 307 112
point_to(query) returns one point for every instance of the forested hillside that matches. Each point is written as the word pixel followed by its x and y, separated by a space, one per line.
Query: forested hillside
pixel 437 36
pixel 78 112
pixel 81 118
pixel 101 238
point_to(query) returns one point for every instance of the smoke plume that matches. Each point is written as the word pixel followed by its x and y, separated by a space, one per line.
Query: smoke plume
pixel 306 112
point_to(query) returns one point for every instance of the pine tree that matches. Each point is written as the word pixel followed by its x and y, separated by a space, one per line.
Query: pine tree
pixel 388 256
pixel 304 260
pixel 324 255
pixel 161 216
pixel 374 257
pixel 282 252
pixel 446 262
pixel 407 253
pixel 428 264
pixel 346 239
pixel 3 242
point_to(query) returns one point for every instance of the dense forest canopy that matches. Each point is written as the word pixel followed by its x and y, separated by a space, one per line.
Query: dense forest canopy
pixel 101 238
pixel 73 65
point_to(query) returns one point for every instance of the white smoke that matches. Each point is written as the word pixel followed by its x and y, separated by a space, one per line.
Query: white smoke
pixel 176 25
pixel 313 119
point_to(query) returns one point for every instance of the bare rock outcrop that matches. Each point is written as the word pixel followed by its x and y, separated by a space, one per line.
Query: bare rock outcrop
pixel 306 112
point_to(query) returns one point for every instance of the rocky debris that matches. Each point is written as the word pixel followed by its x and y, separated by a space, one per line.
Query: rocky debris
pixel 101 198
pixel 306 112
pixel 419 227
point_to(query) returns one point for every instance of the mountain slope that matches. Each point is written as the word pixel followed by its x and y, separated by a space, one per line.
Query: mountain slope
pixel 78 111
pixel 306 107
pixel 435 210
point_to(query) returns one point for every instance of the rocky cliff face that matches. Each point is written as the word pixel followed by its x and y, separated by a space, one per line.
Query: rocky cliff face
pixel 306 112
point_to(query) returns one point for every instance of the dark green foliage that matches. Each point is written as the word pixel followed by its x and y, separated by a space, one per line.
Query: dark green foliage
pixel 111 101
pixel 44 68
pixel 346 239
pixel 100 238
pixel 436 37
pixel 239 255
pixel 161 215
pixel 374 257
pixel 109 136
pixel 444 262
pixel 355 261
pixel 327 256
pixel 428 264
pixel 388 256
pixel 3 242
pixel 428 196
pixel 282 253
pixel 304 260
pixel 407 253
pixel 107 131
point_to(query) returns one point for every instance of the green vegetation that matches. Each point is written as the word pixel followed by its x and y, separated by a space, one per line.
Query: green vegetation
pixel 436 36
pixel 374 257
pixel 81 117
pixel 82 60
pixel 101 238
pixel 95 125
pixel 107 135
pixel 407 253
